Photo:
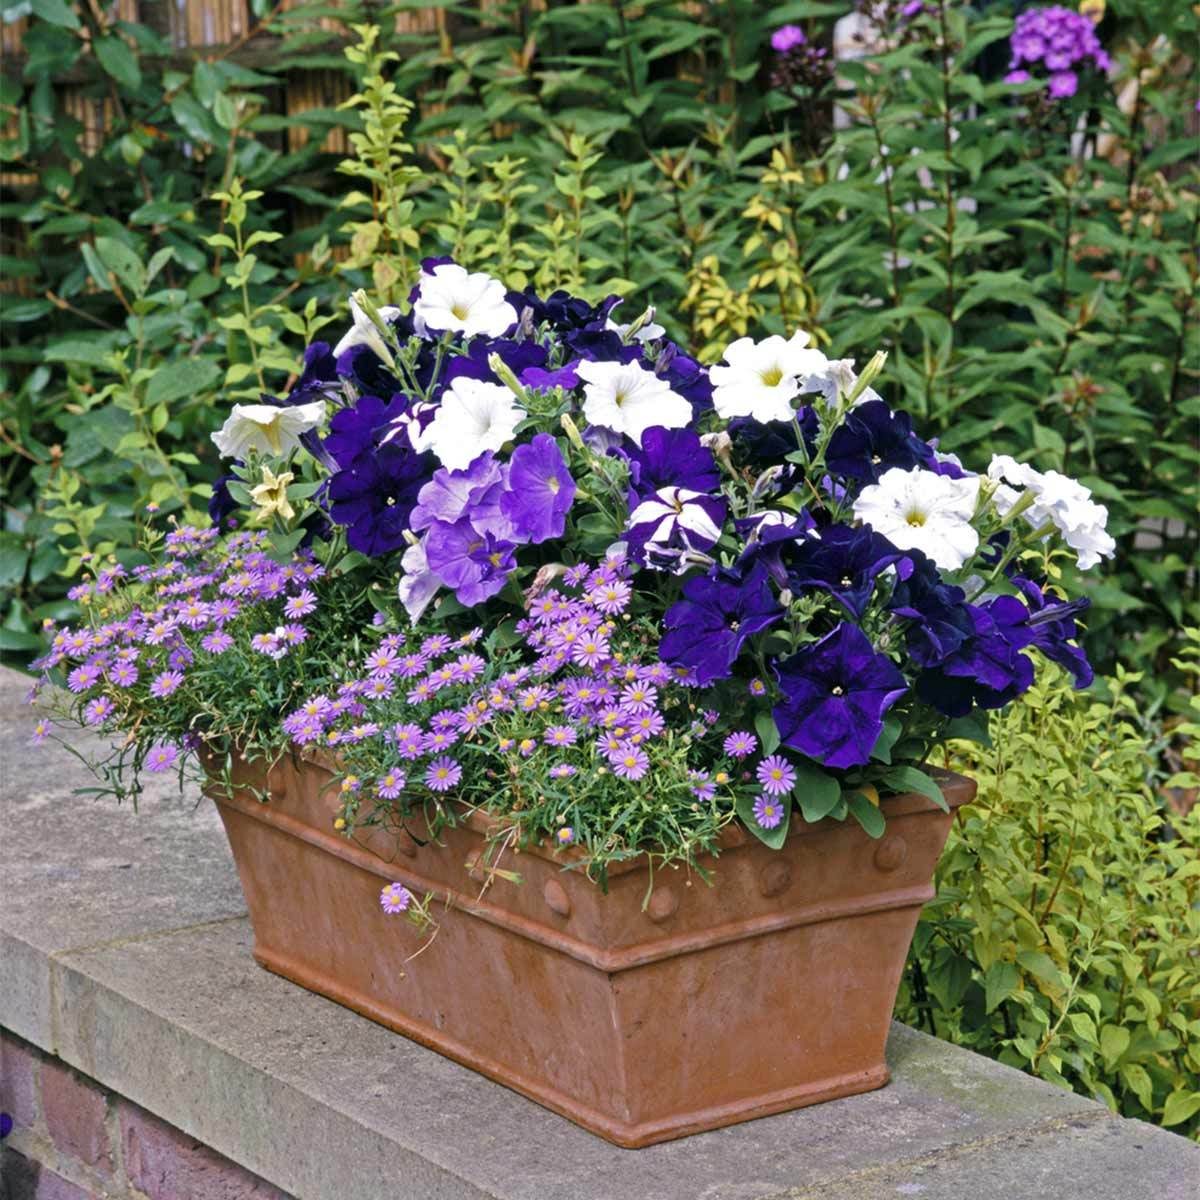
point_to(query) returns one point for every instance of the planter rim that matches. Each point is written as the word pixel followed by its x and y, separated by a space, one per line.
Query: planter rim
pixel 958 789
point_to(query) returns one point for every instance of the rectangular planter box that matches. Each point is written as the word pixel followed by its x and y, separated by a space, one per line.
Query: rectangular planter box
pixel 771 989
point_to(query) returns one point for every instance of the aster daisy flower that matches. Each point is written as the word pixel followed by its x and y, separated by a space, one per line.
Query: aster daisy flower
pixel 740 744
pixel 162 757
pixel 769 811
pixel 776 775
pixel 630 762
pixel 442 774
pixel 395 898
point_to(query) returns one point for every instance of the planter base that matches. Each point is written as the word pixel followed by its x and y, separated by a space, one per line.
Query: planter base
pixel 768 991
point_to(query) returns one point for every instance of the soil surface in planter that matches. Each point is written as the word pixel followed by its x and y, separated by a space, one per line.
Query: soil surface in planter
pixel 770 989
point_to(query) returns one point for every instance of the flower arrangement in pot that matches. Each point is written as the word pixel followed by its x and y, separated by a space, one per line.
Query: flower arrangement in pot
pixel 598 677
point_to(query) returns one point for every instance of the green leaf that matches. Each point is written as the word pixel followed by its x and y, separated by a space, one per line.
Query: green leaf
pixel 14 554
pixel 768 732
pixel 972 728
pixel 1180 1106
pixel 119 61
pixel 1085 1028
pixel 123 263
pixel 866 814
pixel 187 377
pixel 772 837
pixel 1114 1041
pixel 57 12
pixel 910 779
pixel 882 751
pixel 1001 980
pixel 816 791
pixel 78 352
pixel 1138 1082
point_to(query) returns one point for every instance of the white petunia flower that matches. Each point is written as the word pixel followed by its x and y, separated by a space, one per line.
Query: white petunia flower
pixel 761 379
pixel 266 429
pixel 628 399
pixel 920 510
pixel 473 416
pixel 364 331
pixel 1058 499
pixel 451 300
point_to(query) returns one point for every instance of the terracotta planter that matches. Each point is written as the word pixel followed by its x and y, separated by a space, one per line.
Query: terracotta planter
pixel 769 990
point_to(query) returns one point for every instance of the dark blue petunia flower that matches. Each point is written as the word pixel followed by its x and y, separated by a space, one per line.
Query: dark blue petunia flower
pixel 988 669
pixel 517 356
pixel 707 629
pixel 355 430
pixel 318 378
pixel 871 440
pixel 940 617
pixel 834 697
pixel 842 561
pixel 1054 629
pixel 374 496
pixel 669 458
pixel 685 375
pixel 221 505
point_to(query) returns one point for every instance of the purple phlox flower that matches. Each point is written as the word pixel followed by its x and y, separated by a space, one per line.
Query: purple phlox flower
pixel 442 774
pixel 776 775
pixel 842 561
pixel 787 37
pixel 670 458
pixel 707 629
pixel 165 684
pixel 740 744
pixel 395 898
pixel 1063 84
pixel 769 811
pixel 835 693
pixel 540 490
pixel 675 518
pixel 161 757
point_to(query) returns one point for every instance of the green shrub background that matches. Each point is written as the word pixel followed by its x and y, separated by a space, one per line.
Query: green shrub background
pixel 1035 300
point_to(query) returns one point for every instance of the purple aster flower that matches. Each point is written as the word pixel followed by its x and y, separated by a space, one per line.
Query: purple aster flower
pixel 740 744
pixel 301 604
pixel 98 711
pixel 756 687
pixel 216 643
pixel 540 490
pixel 165 684
pixel 776 775
pixel 41 731
pixel 835 694
pixel 443 774
pixel 629 761
pixel 390 785
pixel 561 771
pixel 161 757
pixel 123 674
pixel 707 629
pixel 395 898
pixel 82 678
pixel 561 735
pixel 639 697
pixel 591 650
pixel 769 811
pixel 409 739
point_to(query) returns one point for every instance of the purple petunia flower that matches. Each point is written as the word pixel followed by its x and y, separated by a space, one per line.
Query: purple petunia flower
pixel 161 757
pixel 740 744
pixel 443 774
pixel 540 490
pixel 769 812
pixel 395 898
pixel 835 694
pixel 776 775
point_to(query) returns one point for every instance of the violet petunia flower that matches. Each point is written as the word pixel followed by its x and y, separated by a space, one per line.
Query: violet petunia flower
pixel 707 629
pixel 670 458
pixel 540 490
pixel 835 693
pixel 842 561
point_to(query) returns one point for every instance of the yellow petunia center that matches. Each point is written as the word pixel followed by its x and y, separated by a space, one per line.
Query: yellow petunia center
pixel 772 376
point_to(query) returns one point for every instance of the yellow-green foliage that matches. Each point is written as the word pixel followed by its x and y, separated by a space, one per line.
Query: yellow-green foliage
pixel 1065 937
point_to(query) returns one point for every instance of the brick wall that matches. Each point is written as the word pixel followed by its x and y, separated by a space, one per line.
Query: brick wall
pixel 73 1140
